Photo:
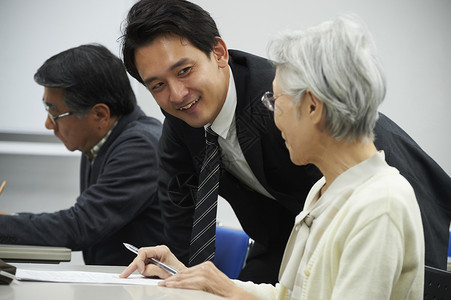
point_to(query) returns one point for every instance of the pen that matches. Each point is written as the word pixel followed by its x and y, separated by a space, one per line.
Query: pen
pixel 2 186
pixel 153 260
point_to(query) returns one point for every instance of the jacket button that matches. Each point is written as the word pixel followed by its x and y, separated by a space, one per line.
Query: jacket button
pixel 307 272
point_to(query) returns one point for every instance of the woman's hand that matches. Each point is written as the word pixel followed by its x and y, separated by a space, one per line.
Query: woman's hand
pixel 205 276
pixel 208 278
pixel 145 267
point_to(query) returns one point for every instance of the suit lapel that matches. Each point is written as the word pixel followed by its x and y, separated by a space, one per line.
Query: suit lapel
pixel 251 119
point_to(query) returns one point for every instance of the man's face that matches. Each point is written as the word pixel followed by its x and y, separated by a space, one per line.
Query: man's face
pixel 184 81
pixel 76 134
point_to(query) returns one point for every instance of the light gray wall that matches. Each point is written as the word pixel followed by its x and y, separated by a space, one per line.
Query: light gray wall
pixel 412 37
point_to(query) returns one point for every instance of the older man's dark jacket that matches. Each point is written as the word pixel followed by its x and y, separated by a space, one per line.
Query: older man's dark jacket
pixel 117 203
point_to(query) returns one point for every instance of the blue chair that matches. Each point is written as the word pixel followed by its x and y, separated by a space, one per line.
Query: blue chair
pixel 232 247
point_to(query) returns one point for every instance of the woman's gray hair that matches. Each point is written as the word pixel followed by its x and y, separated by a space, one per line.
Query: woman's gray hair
pixel 336 60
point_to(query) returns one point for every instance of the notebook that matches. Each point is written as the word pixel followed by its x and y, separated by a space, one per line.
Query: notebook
pixel 34 254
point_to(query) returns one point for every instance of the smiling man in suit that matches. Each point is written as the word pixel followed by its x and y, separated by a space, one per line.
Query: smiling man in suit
pixel 173 47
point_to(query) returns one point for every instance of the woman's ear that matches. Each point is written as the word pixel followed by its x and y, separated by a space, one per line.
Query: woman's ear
pixel 220 53
pixel 315 107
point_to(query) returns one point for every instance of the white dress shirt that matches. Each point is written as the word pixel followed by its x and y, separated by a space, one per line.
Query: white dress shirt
pixel 232 157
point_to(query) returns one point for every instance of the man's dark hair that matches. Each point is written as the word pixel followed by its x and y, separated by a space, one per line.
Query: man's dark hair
pixel 149 19
pixel 89 74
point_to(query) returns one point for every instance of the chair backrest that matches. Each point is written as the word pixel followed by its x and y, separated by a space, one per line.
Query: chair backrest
pixel 231 251
pixel 437 284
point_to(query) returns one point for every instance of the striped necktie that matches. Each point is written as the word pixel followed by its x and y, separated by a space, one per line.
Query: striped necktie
pixel 202 247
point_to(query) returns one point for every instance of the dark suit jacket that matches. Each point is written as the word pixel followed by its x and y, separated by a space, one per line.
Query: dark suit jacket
pixel 268 221
pixel 117 203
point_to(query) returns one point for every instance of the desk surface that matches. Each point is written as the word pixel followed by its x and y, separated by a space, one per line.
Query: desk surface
pixel 25 290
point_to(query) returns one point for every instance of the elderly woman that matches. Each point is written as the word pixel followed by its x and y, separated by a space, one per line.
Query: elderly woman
pixel 360 233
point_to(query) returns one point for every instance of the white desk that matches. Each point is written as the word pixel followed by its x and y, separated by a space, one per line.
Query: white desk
pixel 26 290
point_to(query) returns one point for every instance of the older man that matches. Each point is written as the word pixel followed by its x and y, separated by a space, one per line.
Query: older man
pixel 92 108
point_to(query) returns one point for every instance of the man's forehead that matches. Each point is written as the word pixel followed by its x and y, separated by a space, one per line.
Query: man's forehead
pixel 53 97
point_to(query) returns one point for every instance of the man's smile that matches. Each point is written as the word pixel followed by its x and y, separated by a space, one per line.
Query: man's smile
pixel 188 106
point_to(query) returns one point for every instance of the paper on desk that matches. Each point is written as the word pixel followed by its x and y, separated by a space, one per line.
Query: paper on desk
pixel 82 277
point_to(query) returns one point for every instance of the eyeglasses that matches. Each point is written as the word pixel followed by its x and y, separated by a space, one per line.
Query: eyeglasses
pixel 54 118
pixel 268 100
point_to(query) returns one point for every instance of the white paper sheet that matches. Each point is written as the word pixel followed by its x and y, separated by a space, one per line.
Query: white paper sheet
pixel 82 277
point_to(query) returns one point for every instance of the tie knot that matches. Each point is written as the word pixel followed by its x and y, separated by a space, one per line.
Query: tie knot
pixel 211 136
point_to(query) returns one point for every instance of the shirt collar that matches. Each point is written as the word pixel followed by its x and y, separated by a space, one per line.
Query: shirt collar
pixel 221 125
pixel 95 150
